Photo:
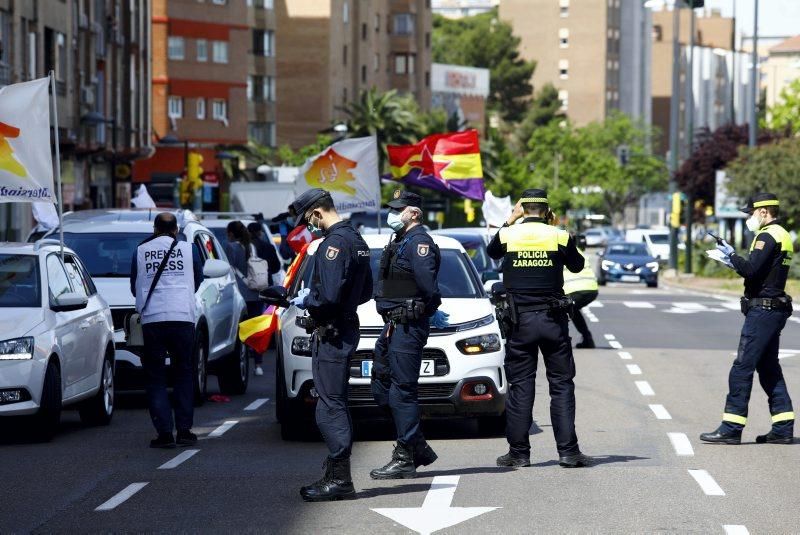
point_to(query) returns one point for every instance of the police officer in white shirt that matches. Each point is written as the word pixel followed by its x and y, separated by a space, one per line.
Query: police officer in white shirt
pixel 168 322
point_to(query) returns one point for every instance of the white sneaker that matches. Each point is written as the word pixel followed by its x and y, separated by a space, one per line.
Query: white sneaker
pixel 259 372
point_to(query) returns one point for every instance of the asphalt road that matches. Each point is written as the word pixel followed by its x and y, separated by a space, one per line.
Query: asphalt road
pixel 655 383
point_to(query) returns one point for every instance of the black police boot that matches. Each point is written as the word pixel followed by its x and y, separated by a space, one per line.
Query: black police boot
pixel 579 460
pixel 400 467
pixel 164 441
pixel 772 438
pixel 586 343
pixel 424 455
pixel 722 437
pixel 336 484
pixel 514 460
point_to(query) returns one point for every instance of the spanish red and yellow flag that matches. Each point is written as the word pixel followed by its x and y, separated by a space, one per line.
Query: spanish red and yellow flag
pixel 445 162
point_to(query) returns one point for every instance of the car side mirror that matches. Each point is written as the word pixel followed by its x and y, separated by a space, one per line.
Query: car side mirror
pixel 214 268
pixel 69 301
pixel 487 276
pixel 275 295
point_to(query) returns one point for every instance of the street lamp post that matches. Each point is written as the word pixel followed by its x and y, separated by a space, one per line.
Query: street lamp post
pixel 754 79
pixel 687 268
pixel 673 127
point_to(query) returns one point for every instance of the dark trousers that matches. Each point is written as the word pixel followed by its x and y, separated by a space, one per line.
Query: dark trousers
pixel 395 376
pixel 254 309
pixel 177 339
pixel 549 332
pixel 758 351
pixel 580 300
pixel 331 371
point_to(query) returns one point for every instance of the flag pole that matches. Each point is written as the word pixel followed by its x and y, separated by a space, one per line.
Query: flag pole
pixel 58 163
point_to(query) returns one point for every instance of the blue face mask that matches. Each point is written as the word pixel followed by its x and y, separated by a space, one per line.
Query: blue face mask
pixel 395 221
pixel 314 229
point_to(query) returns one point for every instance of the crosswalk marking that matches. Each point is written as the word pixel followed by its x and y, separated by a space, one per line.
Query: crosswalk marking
pixel 639 304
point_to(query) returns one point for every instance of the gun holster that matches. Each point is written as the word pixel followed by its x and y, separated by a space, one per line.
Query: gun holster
pixel 505 311
pixel 310 325
pixel 410 310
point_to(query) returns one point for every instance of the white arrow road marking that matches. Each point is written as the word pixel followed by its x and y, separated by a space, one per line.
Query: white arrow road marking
pixel 681 444
pixel 733 529
pixel 256 404
pixel 121 496
pixel 707 483
pixel 435 513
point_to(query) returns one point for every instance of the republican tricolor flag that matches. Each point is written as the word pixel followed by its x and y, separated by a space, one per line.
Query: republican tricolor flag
pixel 445 162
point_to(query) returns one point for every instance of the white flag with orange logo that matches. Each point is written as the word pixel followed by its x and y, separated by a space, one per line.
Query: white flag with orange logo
pixel 26 167
pixel 348 169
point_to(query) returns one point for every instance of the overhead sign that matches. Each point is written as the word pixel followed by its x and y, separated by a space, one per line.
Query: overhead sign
pixel 26 166
pixel 467 81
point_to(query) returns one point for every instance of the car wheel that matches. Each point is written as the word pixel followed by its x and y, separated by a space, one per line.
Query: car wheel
pixel 601 281
pixel 99 409
pixel 492 425
pixel 201 371
pixel 235 373
pixel 47 419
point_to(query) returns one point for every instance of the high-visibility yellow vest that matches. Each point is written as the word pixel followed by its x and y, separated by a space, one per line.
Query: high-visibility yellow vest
pixel 585 281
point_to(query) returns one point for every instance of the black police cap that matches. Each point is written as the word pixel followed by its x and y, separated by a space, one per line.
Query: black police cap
pixel 534 196
pixel 402 199
pixel 759 200
pixel 305 201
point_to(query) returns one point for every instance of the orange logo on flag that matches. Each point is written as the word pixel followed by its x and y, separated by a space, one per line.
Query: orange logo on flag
pixel 7 160
pixel 332 172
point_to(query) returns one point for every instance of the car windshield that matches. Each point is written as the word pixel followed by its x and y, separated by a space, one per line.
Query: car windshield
pixel 659 239
pixel 19 281
pixel 106 255
pixel 221 234
pixel 456 278
pixel 632 249
pixel 476 250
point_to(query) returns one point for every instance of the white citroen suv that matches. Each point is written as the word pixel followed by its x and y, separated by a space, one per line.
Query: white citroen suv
pixel 56 338
pixel 462 365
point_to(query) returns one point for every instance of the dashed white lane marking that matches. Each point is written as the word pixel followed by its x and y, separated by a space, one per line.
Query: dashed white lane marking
pixel 595 304
pixel 178 460
pixel 645 388
pixel 735 529
pixel 610 337
pixel 624 355
pixel 681 444
pixel 219 431
pixel 796 320
pixel 707 483
pixel 638 304
pixel 614 344
pixel 633 369
pixel 256 404
pixel 661 412
pixel 121 496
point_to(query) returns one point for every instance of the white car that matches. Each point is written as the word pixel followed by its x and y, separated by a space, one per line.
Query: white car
pixel 56 338
pixel 657 241
pixel 462 366
pixel 106 241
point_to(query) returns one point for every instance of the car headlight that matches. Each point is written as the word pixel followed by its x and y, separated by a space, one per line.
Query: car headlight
pixel 607 264
pixel 301 346
pixel 652 266
pixel 475 345
pixel 17 349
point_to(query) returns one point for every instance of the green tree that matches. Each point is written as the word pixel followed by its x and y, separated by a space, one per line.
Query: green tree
pixel 544 109
pixel 784 116
pixel 773 167
pixel 486 41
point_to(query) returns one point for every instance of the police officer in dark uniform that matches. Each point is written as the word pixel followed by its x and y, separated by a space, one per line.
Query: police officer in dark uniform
pixel 341 281
pixel 407 298
pixel 534 255
pixel 766 307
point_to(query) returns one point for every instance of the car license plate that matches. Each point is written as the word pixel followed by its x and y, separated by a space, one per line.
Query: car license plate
pixel 629 278
pixel 427 368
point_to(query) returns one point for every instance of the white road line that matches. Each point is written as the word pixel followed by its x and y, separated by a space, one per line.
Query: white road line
pixel 624 355
pixel 633 369
pixel 681 444
pixel 219 431
pixel 256 404
pixel 178 460
pixel 121 496
pixel 707 483
pixel 645 388
pixel 690 305
pixel 735 529
pixel 595 304
pixel 638 304
pixel 614 344
pixel 610 336
pixel 661 412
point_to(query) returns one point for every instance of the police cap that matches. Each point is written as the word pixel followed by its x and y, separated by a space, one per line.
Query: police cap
pixel 534 196
pixel 759 200
pixel 305 201
pixel 402 199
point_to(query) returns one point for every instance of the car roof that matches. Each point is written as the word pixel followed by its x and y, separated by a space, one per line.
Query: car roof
pixel 122 220
pixel 223 223
pixel 379 241
pixel 27 248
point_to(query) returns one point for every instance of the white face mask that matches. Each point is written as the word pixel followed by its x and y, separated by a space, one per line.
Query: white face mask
pixel 753 223
pixel 395 221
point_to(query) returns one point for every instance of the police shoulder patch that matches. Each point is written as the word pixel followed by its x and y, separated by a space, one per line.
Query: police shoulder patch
pixel 423 249
pixel 331 253
pixel 760 244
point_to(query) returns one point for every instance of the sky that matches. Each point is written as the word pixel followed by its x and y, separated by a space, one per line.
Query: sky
pixel 775 17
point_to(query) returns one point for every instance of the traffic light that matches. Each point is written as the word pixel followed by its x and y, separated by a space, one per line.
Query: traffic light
pixel 469 210
pixel 675 215
pixel 185 192
pixel 194 172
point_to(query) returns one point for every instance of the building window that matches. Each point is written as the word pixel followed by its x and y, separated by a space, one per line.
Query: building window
pixel 427 39
pixel 344 55
pixel 61 57
pixel 262 133
pixel 201 108
pixel 175 107
pixel 427 78
pixel 658 33
pixel 376 62
pixel 563 69
pixel 563 8
pixel 202 50
pixel 219 51
pixel 363 74
pixel 250 83
pixel 219 2
pixel 264 43
pixel 345 12
pixel 175 48
pixel 404 63
pixel 344 95
pixel 363 31
pixel 563 97
pixel 377 22
pixel 261 88
pixel 403 24
pixel 219 109
pixel 563 37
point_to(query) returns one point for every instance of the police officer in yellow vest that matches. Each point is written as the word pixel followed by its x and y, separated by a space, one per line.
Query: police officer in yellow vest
pixel 582 288
pixel 534 254
pixel 766 307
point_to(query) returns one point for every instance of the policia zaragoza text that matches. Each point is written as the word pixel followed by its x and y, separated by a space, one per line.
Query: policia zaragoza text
pixel 532 259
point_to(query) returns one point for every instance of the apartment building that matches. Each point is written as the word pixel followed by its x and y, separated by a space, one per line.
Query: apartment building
pixel 781 68
pixel 99 52
pixel 261 79
pixel 329 51
pixel 593 52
